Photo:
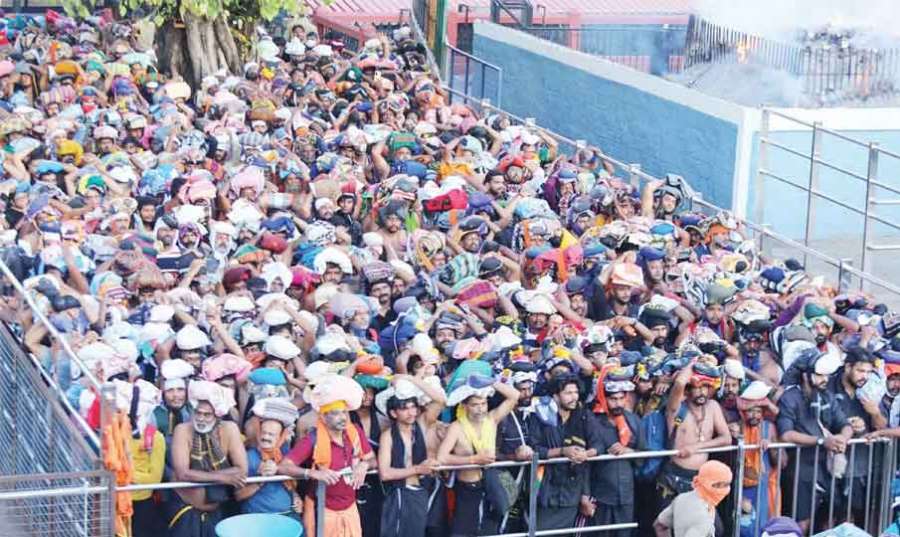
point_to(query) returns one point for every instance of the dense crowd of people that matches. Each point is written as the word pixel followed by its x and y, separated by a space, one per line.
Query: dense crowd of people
pixel 321 268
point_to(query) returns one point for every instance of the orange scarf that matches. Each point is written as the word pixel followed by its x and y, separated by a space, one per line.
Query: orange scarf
pixel 275 454
pixel 712 472
pixel 322 449
pixel 752 457
pixel 116 458
pixel 619 421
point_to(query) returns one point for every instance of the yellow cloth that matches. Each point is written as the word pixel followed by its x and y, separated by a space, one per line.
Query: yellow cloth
pixel 147 466
pixel 483 441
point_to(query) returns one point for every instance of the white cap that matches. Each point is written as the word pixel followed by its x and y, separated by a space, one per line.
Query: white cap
pixel 734 369
pixel 282 348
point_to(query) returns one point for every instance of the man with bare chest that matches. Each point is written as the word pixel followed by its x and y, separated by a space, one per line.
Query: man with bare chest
pixel 472 440
pixel 209 450
pixel 390 219
pixel 695 422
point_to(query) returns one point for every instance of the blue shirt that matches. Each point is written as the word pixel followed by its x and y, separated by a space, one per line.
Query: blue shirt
pixel 271 497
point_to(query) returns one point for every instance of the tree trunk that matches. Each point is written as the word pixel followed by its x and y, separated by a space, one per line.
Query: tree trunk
pixel 195 28
pixel 171 50
pixel 227 44
pixel 210 45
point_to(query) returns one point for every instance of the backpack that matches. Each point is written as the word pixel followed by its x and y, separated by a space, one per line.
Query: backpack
pixel 655 438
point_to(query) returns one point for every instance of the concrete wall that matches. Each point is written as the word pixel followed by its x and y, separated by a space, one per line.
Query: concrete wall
pixel 632 116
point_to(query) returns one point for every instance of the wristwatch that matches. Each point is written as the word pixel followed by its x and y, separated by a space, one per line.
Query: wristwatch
pixel 820 441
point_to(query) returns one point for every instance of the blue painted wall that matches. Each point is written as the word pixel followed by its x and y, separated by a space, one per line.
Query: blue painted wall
pixel 630 124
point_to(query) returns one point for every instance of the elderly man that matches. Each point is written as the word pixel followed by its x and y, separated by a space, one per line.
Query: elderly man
pixel 339 453
pixel 472 440
pixel 277 417
pixel 205 449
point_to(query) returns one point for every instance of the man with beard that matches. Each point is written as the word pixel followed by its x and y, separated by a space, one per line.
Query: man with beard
pixel 760 494
pixel 340 455
pixel 653 262
pixel 624 279
pixel 659 322
pixel 756 357
pixel 577 289
pixel 561 427
pixel 732 381
pixel 472 440
pixel 390 222
pixel 612 482
pixel 809 416
pixel 892 381
pixel 404 462
pixel 694 421
pixel 145 218
pixel 207 449
pixel 513 438
pixel 379 277
pixel 174 410
pixel 495 185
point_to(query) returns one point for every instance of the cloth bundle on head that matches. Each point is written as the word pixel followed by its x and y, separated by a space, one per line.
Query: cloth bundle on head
pixel 219 397
pixel 175 372
pixel 149 397
pixel 754 395
pixel 226 365
pixel 277 409
pixel 475 384
pixel 335 392
pixel 814 313
pixel 625 274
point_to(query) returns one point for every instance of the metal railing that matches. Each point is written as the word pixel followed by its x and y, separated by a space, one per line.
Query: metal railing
pixel 54 480
pixel 872 463
pixel 471 76
pixel 654 49
pixel 856 185
pixel 73 504
pixel 828 71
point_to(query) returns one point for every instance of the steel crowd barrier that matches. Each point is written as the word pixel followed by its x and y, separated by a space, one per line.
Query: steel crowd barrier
pixel 841 271
pixel 877 471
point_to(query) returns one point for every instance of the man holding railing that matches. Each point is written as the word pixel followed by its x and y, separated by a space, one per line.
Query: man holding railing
pixel 562 427
pixel 809 416
pixel 207 449
pixel 340 454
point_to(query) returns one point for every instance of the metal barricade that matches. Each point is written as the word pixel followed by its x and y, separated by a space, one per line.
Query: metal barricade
pixel 73 504
pixel 863 496
pixel 826 170
pixel 54 482
pixel 472 78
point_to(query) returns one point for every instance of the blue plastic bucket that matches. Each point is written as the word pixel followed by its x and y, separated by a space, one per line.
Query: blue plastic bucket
pixel 259 525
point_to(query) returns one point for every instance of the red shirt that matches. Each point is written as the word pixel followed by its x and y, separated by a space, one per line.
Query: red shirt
pixel 341 495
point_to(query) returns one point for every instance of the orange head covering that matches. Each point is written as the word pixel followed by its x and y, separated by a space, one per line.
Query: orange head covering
pixel 712 472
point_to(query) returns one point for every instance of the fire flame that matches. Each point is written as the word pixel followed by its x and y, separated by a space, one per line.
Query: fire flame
pixel 742 51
